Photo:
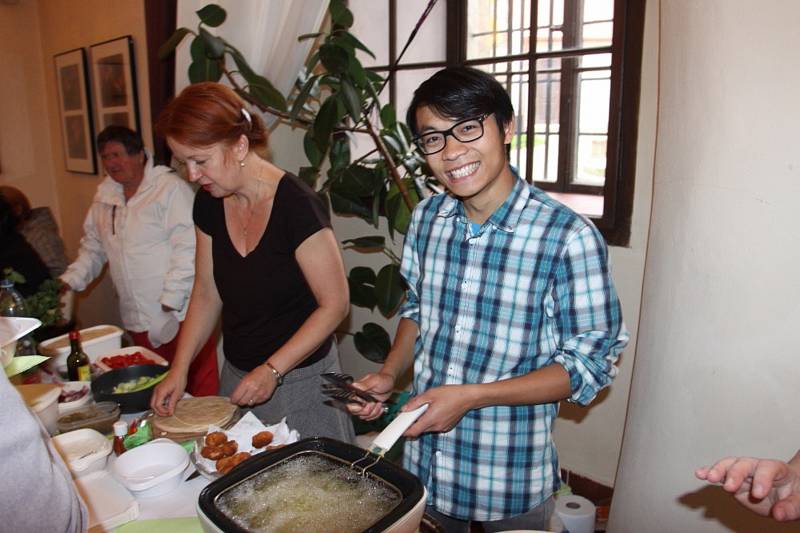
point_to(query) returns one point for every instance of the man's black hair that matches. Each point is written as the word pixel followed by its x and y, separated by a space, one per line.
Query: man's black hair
pixel 460 93
pixel 128 138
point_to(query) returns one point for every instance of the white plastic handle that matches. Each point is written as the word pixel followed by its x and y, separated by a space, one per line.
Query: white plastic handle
pixel 395 430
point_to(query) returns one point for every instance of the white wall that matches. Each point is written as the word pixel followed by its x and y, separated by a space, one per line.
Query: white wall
pixel 717 362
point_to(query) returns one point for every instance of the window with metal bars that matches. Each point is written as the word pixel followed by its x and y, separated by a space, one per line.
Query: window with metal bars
pixel 576 122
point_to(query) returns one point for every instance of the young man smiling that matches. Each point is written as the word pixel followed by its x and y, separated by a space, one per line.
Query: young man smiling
pixel 510 309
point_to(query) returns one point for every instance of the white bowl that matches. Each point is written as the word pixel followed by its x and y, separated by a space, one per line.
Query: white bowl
pixel 84 450
pixel 152 469
pixel 42 398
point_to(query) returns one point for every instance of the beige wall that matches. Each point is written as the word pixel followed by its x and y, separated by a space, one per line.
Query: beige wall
pixel 717 360
pixel 65 25
pixel 25 147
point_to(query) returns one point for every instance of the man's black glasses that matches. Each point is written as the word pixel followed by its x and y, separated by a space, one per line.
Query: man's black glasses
pixel 465 131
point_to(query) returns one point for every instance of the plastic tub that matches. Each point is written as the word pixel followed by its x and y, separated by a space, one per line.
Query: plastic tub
pixel 97 340
pixel 84 450
pixel 152 469
pixel 100 417
pixel 42 398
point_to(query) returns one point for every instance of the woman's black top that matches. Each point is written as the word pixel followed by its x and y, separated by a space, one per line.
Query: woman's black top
pixel 265 297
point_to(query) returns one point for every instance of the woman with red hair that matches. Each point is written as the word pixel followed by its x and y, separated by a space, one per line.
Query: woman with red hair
pixel 267 261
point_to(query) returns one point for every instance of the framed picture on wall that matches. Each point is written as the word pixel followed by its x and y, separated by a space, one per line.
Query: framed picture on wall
pixel 114 84
pixel 76 113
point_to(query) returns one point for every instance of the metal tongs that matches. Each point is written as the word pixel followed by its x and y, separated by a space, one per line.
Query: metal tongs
pixel 340 387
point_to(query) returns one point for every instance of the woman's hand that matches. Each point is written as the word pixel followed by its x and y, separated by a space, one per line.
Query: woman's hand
pixel 256 387
pixel 168 392
pixel 379 385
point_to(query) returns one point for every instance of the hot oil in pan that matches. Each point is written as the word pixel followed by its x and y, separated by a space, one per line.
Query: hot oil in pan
pixel 308 493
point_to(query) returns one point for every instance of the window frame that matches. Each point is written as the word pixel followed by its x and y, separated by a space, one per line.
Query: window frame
pixel 626 52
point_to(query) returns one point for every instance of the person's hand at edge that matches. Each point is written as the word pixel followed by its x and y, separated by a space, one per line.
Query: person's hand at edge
pixel 765 486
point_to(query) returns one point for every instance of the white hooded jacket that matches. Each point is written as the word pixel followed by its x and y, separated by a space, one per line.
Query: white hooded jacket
pixel 149 243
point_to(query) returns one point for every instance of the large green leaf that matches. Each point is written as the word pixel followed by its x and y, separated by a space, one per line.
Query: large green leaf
pixel 361 282
pixel 334 57
pixel 373 342
pixel 205 70
pixel 358 180
pixel 310 147
pixel 339 154
pixel 351 40
pixel 168 47
pixel 397 211
pixel 389 289
pixel 372 242
pixel 388 116
pixel 352 100
pixel 309 175
pixel 215 47
pixel 340 15
pixel 361 295
pixel 302 96
pixel 326 121
pixel 362 274
pixel 197 50
pixel 261 88
pixel 211 15
pixel 344 204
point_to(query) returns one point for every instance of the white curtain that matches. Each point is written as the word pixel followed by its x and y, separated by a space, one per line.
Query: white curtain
pixel 265 31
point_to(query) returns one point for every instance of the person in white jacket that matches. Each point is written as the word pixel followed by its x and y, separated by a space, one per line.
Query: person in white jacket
pixel 140 222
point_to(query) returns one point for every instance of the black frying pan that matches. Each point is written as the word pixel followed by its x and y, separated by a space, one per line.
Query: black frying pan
pixel 403 482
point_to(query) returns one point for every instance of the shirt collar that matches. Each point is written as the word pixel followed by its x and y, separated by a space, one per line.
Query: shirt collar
pixel 505 217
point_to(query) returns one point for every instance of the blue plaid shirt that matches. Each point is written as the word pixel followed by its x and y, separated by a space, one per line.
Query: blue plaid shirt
pixel 529 289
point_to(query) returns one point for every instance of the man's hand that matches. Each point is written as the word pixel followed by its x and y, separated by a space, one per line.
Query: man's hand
pixel 448 405
pixel 380 385
pixel 765 486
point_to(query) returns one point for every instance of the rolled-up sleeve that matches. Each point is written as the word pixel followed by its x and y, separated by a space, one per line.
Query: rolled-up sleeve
pixel 180 229
pixel 588 316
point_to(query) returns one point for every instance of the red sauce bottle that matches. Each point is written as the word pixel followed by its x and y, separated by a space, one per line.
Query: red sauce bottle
pixel 120 430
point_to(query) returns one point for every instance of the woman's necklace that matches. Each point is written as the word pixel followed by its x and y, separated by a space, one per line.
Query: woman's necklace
pixel 247 219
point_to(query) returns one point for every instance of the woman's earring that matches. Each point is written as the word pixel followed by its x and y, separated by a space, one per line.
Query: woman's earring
pixel 241 163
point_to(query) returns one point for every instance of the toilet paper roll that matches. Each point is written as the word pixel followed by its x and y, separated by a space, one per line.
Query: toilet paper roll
pixel 576 513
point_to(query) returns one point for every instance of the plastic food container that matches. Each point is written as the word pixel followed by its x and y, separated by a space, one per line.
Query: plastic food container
pixel 84 450
pixel 152 469
pixel 108 503
pixel 42 398
pixel 95 341
pixel 100 417
pixel 72 386
pixel 153 356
